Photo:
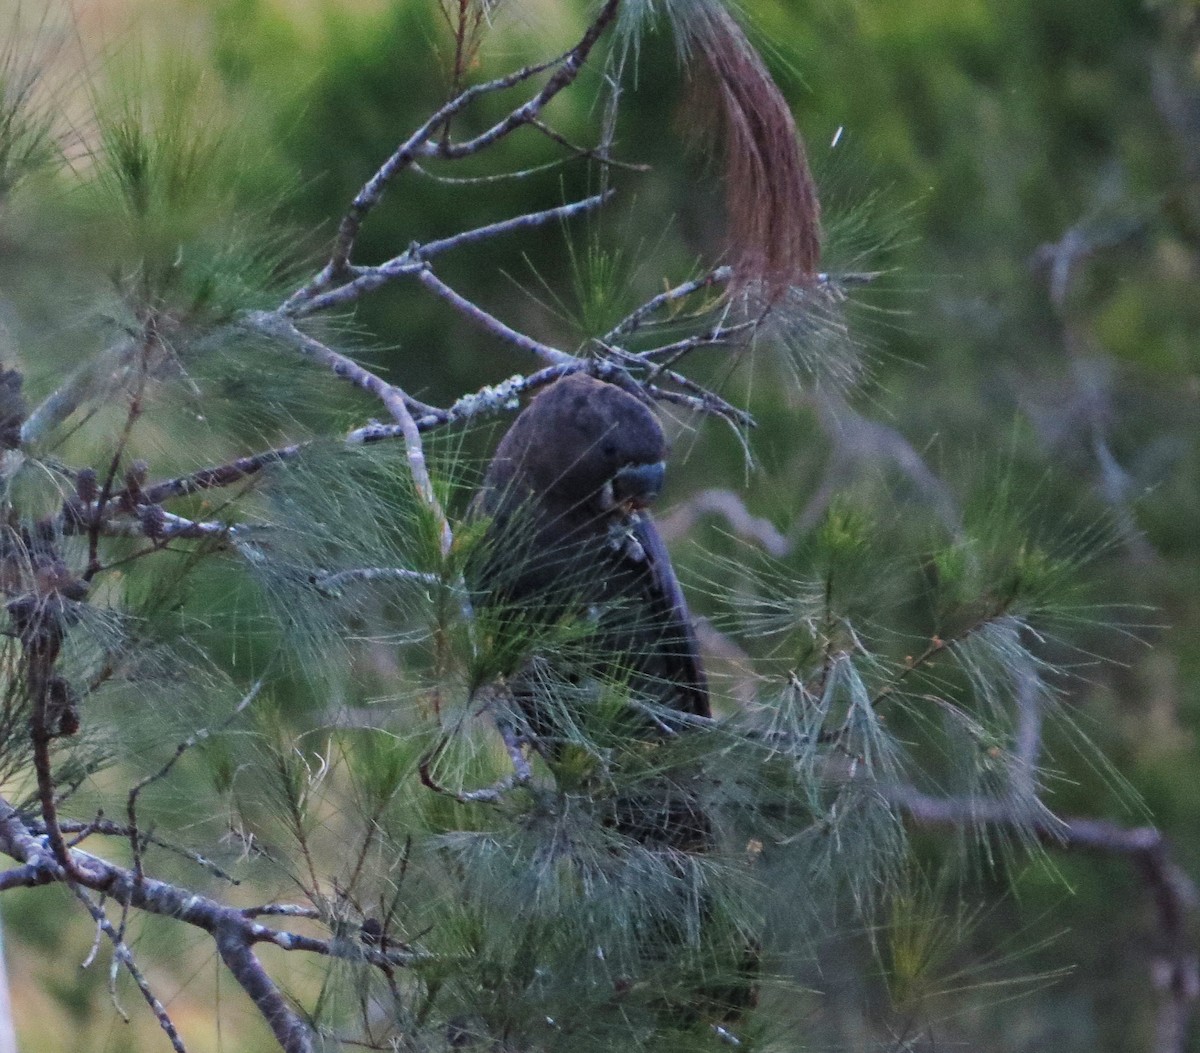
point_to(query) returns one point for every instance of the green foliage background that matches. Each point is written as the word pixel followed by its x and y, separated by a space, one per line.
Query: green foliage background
pixel 952 141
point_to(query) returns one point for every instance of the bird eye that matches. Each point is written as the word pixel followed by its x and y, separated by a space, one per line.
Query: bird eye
pixel 609 449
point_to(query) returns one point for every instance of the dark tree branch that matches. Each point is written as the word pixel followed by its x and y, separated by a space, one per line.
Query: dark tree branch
pixel 235 931
pixel 213 478
pixel 289 1029
pixel 1176 899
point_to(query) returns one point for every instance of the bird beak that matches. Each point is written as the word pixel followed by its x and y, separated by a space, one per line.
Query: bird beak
pixel 637 485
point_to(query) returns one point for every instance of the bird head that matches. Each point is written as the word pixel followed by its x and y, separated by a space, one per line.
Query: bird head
pixel 587 445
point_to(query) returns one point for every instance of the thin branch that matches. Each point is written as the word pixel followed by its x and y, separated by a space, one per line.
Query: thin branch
pixel 397 402
pixel 937 646
pixel 490 323
pixel 131 418
pixel 705 400
pixel 487 401
pixel 68 397
pixel 282 910
pixel 668 354
pixel 122 954
pixel 280 328
pixel 599 153
pixel 1176 971
pixel 158 525
pixel 509 226
pixel 41 639
pixel 410 262
pixel 192 740
pixel 563 77
pixel 108 828
pixel 213 478
pixel 632 321
pixel 330 583
pixel 731 508
pixel 484 180
pixel 372 191
pixel 702 401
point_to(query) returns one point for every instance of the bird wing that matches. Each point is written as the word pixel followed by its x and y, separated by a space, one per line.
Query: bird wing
pixel 677 649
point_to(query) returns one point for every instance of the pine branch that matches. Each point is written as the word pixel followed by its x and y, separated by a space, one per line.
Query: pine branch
pixel 562 78
pixel 398 404
pixel 234 931
pixel 489 323
pixel 122 953
pixel 419 144
pixel 1176 898
pixel 408 264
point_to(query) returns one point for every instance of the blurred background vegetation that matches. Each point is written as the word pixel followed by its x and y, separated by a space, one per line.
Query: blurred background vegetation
pixel 1025 175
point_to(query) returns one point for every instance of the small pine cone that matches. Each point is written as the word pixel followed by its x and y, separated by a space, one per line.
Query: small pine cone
pixel 153 521
pixel 371 932
pixel 62 707
pixel 86 487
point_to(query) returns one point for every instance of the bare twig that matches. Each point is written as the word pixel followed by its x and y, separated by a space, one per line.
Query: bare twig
pixel 122 954
pixel 490 323
pixel 668 354
pixel 363 280
pixel 600 153
pixel 485 180
pixel 400 405
pixel 701 397
pixel 68 397
pixel 633 321
pixel 493 399
pixel 192 740
pixel 157 525
pixel 107 828
pixel 408 151
pixel 562 77
pixel 282 910
pixel 215 477
pixel 731 508
pixel 330 583
pixel 508 226
pixel 1176 970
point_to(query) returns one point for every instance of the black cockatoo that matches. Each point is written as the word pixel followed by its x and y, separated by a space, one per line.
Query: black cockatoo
pixel 570 541
pixel 569 537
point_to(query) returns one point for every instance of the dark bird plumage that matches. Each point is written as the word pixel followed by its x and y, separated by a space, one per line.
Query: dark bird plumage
pixel 569 536
pixel 569 542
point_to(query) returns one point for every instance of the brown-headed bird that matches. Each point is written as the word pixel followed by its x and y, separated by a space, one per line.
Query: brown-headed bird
pixel 570 539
